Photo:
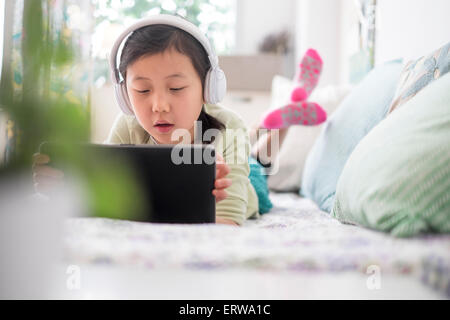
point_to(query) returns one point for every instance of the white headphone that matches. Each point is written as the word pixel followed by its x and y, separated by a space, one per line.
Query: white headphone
pixel 215 85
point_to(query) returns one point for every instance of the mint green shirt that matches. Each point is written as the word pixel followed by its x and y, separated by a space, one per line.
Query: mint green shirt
pixel 234 146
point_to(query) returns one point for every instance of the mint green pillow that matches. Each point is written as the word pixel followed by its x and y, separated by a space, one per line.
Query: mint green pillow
pixel 364 107
pixel 397 179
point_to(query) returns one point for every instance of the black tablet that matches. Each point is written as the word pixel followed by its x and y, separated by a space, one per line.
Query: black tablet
pixel 176 181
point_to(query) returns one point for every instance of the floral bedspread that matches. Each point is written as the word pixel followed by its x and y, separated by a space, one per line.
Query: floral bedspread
pixel 295 236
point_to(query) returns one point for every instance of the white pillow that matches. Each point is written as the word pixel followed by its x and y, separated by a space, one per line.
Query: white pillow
pixel 299 139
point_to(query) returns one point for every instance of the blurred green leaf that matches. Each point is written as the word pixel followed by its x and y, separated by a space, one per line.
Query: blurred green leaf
pixel 42 110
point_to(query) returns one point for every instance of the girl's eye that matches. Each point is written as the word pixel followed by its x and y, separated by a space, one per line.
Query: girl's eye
pixel 177 89
pixel 142 91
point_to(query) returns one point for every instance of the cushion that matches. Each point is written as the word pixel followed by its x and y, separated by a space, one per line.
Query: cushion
pixel 397 179
pixel 292 156
pixel 360 111
pixel 417 74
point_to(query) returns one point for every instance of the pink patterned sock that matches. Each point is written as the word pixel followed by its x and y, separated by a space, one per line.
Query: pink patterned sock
pixel 310 69
pixel 301 113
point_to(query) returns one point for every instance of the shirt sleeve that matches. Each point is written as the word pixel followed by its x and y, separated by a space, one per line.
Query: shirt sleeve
pixel 236 150
pixel 119 132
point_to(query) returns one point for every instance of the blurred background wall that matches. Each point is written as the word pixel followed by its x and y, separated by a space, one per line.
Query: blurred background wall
pixel 411 28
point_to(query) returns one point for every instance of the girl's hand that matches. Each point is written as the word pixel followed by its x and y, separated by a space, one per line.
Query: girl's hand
pixel 225 221
pixel 221 183
pixel 46 179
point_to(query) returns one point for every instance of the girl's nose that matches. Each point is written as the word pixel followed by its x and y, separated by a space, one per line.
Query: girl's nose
pixel 159 104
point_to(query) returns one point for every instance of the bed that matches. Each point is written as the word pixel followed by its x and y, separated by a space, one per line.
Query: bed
pixel 295 251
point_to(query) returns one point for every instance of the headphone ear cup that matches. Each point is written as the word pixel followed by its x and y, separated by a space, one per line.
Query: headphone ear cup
pixel 121 95
pixel 215 86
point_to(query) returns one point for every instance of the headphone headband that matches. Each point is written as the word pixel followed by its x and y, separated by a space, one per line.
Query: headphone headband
pixel 160 19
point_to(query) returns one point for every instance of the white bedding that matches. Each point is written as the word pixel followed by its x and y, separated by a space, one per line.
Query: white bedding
pixel 295 238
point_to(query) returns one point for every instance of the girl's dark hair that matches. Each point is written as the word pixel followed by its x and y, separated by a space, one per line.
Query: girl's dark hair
pixel 158 38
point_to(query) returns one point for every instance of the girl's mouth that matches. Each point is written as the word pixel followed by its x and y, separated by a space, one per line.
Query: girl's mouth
pixel 164 127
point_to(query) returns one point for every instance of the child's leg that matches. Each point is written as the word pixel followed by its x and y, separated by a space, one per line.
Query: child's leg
pixel 308 76
pixel 264 152
pixel 299 111
pixel 296 113
pixel 253 133
pixel 268 145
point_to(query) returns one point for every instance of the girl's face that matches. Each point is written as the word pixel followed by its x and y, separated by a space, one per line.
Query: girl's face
pixel 165 88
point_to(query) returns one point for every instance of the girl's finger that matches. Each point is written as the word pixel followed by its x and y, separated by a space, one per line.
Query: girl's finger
pixel 47 171
pixel 222 183
pixel 222 170
pixel 225 221
pixel 46 186
pixel 40 158
pixel 220 194
pixel 45 180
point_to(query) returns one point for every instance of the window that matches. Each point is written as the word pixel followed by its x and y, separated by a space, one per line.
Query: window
pixel 216 18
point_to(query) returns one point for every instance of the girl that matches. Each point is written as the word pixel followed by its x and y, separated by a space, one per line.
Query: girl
pixel 164 69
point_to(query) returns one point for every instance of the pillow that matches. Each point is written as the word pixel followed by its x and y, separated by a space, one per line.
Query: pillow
pixel 397 179
pixel 299 139
pixel 360 111
pixel 419 73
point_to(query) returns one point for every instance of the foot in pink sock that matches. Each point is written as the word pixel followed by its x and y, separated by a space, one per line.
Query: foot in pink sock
pixel 310 69
pixel 300 113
